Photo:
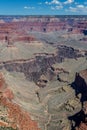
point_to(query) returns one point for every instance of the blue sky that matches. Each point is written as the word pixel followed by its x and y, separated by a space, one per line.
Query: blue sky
pixel 43 7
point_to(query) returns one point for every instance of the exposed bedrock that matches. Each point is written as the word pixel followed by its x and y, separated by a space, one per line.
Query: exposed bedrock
pixel 44 24
pixel 79 120
pixel 12 115
pixel 42 63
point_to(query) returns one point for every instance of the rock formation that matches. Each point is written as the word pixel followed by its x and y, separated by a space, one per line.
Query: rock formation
pixel 80 86
pixel 35 67
pixel 39 57
pixel 15 116
pixel 23 25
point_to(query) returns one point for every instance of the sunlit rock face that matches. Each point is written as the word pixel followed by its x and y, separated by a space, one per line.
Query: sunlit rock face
pixel 12 114
pixel 41 24
pixel 39 58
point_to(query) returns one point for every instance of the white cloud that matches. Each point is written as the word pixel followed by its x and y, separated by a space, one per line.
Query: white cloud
pixel 53 8
pixel 58 2
pixel 47 3
pixel 68 1
pixel 78 8
pixel 25 7
pixel 53 2
pixel 29 7
pixel 72 9
pixel 58 7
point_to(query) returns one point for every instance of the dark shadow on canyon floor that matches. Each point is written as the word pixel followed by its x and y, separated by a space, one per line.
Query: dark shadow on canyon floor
pixel 76 119
pixel 80 87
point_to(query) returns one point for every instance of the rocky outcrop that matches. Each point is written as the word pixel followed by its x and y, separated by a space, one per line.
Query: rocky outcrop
pixel 22 25
pixel 25 39
pixel 68 52
pixel 80 119
pixel 42 63
pixel 52 97
pixel 80 86
pixel 17 118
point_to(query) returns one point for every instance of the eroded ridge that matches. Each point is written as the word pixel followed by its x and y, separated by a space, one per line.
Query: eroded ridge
pixel 11 114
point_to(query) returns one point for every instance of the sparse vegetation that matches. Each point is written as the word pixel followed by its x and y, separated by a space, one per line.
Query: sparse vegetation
pixel 7 128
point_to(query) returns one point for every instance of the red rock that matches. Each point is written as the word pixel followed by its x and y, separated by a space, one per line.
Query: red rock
pixel 2 123
pixel 8 94
pixel 82 126
pixel 17 116
pixel 20 27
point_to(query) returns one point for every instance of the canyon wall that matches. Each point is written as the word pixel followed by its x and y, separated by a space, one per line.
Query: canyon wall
pixel 12 115
pixel 41 24
pixel 34 68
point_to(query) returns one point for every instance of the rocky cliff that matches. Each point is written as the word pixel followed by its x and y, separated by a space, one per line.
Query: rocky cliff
pixel 39 57
pixel 41 24
pixel 35 67
pixel 80 86
pixel 12 115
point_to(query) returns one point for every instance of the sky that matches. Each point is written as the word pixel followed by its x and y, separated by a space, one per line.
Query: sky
pixel 43 7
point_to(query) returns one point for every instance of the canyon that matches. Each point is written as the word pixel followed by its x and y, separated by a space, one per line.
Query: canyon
pixel 43 72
